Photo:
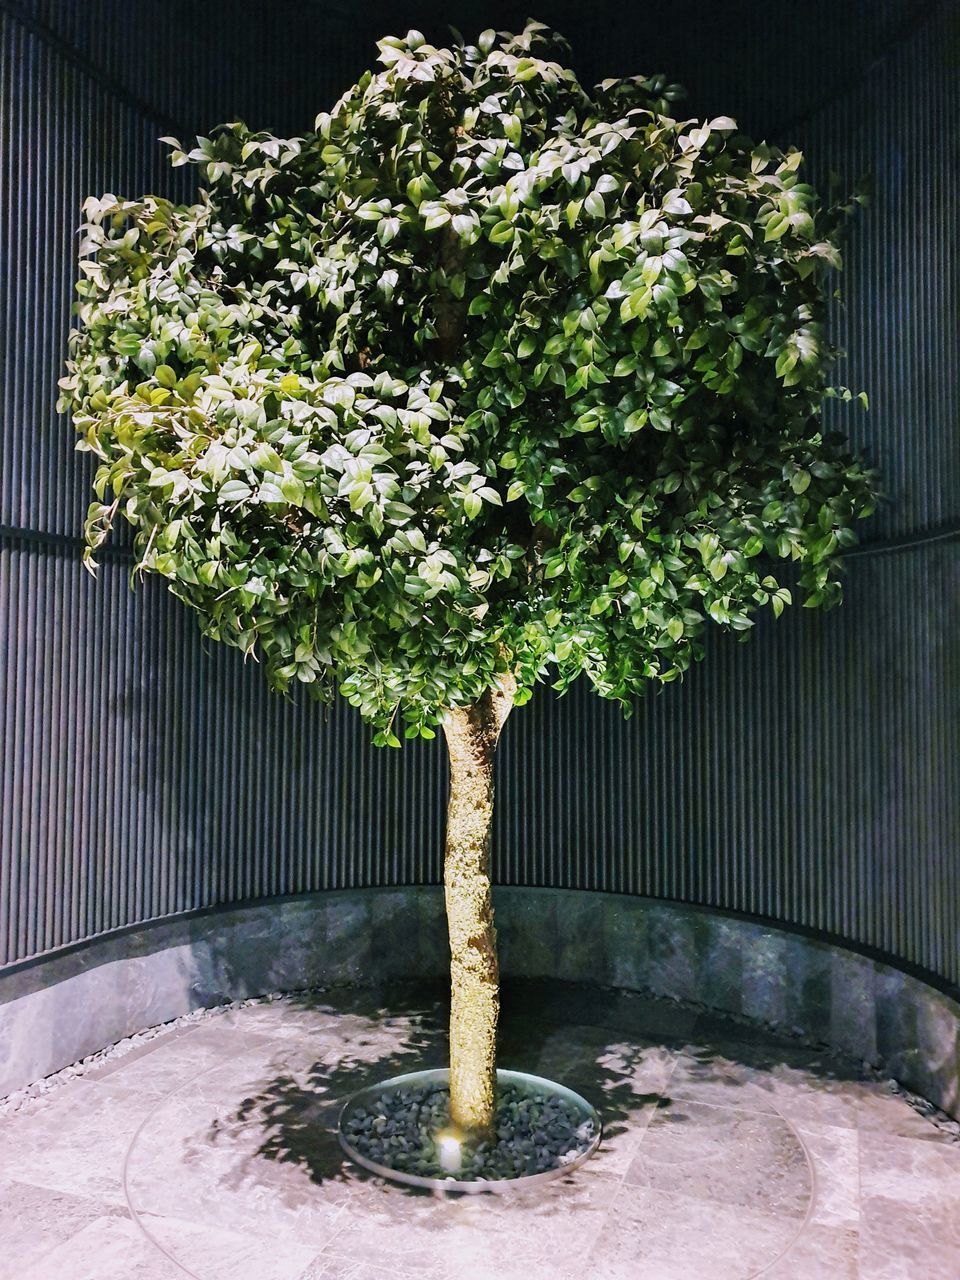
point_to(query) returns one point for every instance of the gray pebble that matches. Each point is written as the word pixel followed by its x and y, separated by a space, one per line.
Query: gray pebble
pixel 535 1132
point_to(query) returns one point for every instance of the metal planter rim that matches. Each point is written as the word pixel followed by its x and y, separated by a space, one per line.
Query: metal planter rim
pixel 441 1075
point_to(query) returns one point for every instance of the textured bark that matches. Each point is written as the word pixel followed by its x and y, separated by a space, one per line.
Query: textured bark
pixel 472 734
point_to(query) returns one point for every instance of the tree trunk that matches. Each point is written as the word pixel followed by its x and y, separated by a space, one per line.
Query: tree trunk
pixel 472 734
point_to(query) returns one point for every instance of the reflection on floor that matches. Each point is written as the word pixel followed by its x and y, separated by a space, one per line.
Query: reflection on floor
pixel 211 1152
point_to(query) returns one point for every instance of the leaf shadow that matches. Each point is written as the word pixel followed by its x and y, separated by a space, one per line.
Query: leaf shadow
pixel 595 1042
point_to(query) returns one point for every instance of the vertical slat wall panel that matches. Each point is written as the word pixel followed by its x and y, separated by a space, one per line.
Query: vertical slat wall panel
pixel 898 321
pixel 143 776
pixel 808 776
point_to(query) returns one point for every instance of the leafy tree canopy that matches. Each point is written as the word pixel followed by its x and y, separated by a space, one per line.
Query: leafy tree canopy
pixel 485 371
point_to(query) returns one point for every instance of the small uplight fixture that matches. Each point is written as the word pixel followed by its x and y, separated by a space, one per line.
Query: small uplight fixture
pixel 450 1151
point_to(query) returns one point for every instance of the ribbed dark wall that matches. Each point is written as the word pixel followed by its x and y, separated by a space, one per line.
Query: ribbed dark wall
pixel 810 776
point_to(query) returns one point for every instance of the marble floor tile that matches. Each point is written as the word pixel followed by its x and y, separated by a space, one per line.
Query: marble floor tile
pixel 719 1154
pixel 245 1075
pixel 903 1244
pixel 623 1078
pixel 276 1167
pixel 359 1030
pixel 799 1083
pixel 819 1253
pixel 921 1175
pixel 169 1062
pixel 605 1054
pixel 835 1154
pixel 76 1142
pixel 512 1236
pixel 720 1077
pixel 34 1221
pixel 615 1072
pixel 881 1110
pixel 910 1209
pixel 659 1235
pixel 348 1060
pixel 332 1266
pixel 116 1063
pixel 288 1019
pixel 228 1132
pixel 320 1063
pixel 106 1249
pixel 805 1101
pixel 228 1255
pixel 165 1249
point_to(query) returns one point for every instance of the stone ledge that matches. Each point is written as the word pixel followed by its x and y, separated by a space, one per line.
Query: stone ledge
pixel 61 1009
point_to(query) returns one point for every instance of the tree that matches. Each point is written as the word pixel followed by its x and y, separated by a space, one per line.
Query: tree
pixel 485 381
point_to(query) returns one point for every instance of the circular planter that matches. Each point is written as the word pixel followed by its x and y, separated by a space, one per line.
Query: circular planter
pixel 367 1098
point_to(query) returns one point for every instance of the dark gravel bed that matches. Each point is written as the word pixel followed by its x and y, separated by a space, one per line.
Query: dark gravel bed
pixel 535 1132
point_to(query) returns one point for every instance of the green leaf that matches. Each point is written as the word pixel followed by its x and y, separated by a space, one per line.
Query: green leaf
pixel 234 491
pixel 361 494
pixel 635 304
pixel 512 128
pixel 312 387
pixel 437 217
pixel 572 212
pixel 270 492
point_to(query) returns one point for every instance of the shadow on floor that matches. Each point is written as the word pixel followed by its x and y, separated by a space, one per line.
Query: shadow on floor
pixel 609 1057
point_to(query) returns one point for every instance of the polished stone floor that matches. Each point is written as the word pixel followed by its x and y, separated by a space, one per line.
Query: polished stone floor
pixel 210 1151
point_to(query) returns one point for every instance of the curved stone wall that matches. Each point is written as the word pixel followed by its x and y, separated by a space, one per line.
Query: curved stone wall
pixel 58 1011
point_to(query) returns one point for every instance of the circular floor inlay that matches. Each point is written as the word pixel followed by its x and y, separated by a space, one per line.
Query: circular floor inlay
pixel 699 1173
